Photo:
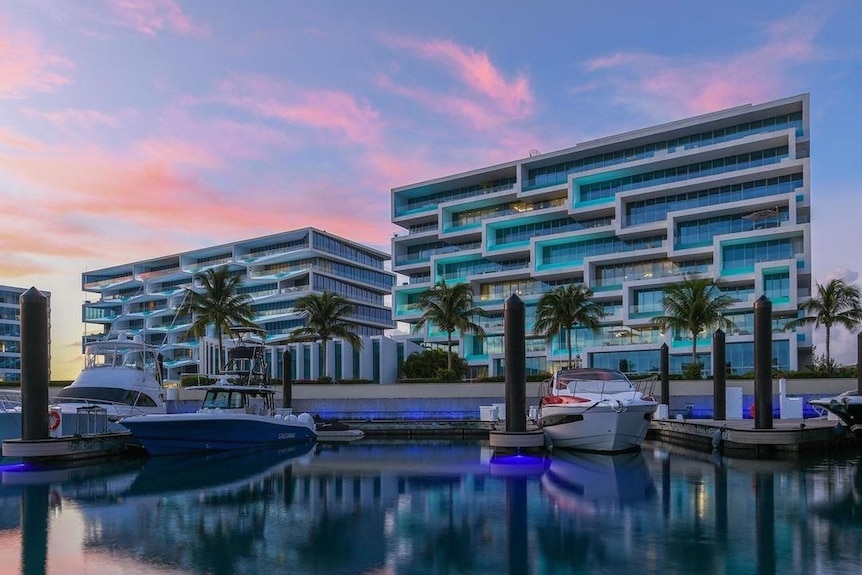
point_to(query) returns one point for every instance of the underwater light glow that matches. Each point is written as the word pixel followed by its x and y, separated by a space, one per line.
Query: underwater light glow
pixel 518 465
pixel 15 467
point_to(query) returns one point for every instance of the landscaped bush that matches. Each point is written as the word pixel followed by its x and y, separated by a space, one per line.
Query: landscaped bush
pixel 433 364
pixel 191 379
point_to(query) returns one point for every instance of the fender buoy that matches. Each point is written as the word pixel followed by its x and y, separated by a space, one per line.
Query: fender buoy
pixel 53 419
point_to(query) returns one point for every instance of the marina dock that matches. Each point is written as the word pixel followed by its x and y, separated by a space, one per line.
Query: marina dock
pixel 738 437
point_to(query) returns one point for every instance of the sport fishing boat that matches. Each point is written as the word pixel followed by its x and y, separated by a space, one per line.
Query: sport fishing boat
pixel 847 407
pixel 237 412
pixel 121 375
pixel 595 410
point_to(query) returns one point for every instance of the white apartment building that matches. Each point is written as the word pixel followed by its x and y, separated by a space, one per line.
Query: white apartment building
pixel 141 298
pixel 725 196
pixel 10 333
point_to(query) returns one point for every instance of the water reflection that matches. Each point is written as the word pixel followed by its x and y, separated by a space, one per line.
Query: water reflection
pixel 589 483
pixel 377 507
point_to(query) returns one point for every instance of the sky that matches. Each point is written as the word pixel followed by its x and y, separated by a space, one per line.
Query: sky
pixel 133 129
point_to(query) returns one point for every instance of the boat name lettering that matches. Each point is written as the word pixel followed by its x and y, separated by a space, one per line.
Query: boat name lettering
pixel 85 445
pixel 286 435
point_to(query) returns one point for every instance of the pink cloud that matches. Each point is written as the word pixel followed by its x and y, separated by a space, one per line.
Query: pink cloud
pixel 669 87
pixel 77 117
pixel 152 200
pixel 16 141
pixel 151 17
pixel 495 100
pixel 328 110
pixel 25 66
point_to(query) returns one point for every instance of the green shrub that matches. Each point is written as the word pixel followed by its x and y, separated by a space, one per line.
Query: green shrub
pixel 693 371
pixel 428 364
pixel 191 379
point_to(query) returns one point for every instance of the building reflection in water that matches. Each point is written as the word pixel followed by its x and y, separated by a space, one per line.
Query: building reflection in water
pixel 443 507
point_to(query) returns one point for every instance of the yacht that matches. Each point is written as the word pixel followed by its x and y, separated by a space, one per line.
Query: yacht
pixel 595 410
pixel 122 376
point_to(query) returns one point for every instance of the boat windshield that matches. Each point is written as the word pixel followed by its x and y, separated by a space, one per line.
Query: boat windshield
pixel 593 380
pixel 105 395
pixel 222 399
pixel 107 355
pixel 252 401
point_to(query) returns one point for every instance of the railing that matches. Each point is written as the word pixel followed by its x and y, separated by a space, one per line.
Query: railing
pixel 148 275
pixel 573 386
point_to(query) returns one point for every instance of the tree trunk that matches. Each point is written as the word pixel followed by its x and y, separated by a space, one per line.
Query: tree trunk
pixel 323 357
pixel 569 344
pixel 694 348
pixel 449 350
pixel 828 363
pixel 219 362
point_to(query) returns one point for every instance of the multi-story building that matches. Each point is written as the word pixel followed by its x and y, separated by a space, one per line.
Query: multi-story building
pixel 10 332
pixel 141 298
pixel 724 196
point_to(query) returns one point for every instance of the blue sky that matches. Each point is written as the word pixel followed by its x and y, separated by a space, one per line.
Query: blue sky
pixel 132 129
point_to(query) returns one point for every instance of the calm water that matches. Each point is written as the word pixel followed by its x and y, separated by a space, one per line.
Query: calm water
pixel 378 508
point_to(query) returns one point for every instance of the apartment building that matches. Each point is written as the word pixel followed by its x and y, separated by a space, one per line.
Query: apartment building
pixel 725 196
pixel 10 332
pixel 141 298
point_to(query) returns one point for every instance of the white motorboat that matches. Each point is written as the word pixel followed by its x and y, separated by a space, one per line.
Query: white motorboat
pixel 238 412
pixel 847 407
pixel 121 376
pixel 595 410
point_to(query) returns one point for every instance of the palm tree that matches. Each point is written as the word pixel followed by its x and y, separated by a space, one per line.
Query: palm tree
pixel 450 307
pixel 694 305
pixel 217 304
pixel 565 307
pixel 835 303
pixel 325 319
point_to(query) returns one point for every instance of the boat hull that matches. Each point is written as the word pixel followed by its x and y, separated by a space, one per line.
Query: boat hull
pixel 847 407
pixel 599 428
pixel 200 432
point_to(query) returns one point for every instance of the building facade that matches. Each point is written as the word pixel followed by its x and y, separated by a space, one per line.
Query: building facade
pixel 10 333
pixel 724 196
pixel 142 298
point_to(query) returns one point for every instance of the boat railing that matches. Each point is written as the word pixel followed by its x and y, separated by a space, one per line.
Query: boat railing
pixel 114 408
pixel 574 386
pixel 10 402
pixel 646 385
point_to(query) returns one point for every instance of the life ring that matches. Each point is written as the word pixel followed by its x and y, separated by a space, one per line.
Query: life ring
pixel 53 420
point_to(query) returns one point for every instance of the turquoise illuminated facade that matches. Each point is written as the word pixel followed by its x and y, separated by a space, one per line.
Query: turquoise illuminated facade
pixel 724 196
pixel 141 298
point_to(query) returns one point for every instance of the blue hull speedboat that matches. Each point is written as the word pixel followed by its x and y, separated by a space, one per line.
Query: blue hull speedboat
pixel 217 430
pixel 238 412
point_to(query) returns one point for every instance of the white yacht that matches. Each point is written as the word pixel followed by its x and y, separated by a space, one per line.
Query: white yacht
pixel 594 410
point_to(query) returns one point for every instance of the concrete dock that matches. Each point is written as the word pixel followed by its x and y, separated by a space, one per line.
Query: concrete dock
pixel 787 438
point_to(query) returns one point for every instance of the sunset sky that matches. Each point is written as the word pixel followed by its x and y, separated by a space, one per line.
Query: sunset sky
pixel 132 129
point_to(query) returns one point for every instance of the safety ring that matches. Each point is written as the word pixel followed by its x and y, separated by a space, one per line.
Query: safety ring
pixel 53 419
